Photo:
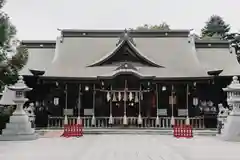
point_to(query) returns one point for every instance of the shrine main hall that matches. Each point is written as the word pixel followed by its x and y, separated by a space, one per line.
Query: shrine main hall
pixel 129 77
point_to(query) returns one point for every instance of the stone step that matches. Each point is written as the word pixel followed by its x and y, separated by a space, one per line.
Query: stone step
pixel 130 131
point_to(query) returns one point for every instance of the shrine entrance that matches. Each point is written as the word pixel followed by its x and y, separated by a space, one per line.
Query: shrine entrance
pixel 126 96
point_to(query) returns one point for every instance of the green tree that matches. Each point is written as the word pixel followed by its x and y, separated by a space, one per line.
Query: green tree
pixel 162 26
pixel 13 56
pixel 215 26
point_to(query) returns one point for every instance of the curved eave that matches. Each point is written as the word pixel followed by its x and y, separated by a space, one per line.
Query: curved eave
pixel 111 54
pixel 215 72
pixel 125 72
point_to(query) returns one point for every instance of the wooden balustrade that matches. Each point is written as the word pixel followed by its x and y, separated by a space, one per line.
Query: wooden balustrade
pixel 103 122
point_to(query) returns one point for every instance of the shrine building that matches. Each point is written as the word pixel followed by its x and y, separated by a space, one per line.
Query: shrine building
pixel 129 74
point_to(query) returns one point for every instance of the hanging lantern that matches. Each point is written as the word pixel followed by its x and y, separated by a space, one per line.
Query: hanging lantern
pixel 108 96
pixel 130 96
pixel 195 101
pixel 119 96
pixel 136 98
pixel 56 101
pixel 125 96
pixel 114 97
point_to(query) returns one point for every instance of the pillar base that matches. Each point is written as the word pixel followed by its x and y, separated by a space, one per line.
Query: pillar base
pixel 79 120
pixel 27 137
pixel 93 121
pixel 187 121
pixel 110 121
pixel 157 121
pixel 172 121
pixel 65 120
pixel 18 129
pixel 125 121
pixel 139 119
pixel 231 129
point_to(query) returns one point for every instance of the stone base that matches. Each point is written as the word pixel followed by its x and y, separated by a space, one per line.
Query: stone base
pixel 231 129
pixel 27 137
pixel 19 128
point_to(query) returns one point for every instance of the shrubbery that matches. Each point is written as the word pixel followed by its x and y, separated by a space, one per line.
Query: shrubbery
pixel 5 113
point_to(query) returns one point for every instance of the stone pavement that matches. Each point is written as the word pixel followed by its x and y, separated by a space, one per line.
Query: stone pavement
pixel 121 147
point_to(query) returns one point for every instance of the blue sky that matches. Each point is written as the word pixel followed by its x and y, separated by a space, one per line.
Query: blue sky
pixel 39 19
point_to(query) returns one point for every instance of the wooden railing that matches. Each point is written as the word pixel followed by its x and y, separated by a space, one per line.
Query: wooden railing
pixel 102 122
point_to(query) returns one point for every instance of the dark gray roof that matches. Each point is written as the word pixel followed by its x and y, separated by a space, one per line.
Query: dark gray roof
pixel 180 55
pixel 219 59
pixel 40 55
pixel 176 54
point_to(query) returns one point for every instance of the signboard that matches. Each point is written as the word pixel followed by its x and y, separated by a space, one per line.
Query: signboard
pixel 88 112
pixel 68 112
pixel 162 112
pixel 182 112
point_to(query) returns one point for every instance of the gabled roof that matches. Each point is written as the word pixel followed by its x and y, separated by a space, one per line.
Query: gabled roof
pixel 76 50
pixel 125 39
pixel 126 68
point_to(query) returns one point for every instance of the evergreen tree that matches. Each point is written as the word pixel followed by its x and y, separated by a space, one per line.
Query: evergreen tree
pixel 13 56
pixel 162 26
pixel 215 26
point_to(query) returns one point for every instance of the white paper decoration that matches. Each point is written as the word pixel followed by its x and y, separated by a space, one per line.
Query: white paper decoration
pixel 108 96
pixel 130 96
pixel 119 96
pixel 114 97
pixel 136 98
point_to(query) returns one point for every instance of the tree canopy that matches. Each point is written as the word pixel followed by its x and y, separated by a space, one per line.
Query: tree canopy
pixel 13 56
pixel 162 26
pixel 215 26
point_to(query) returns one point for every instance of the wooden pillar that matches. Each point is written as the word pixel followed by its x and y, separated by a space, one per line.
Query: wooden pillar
pixel 172 106
pixel 93 107
pixel 157 117
pixel 79 105
pixel 110 107
pixel 66 103
pixel 125 121
pixel 139 106
pixel 187 122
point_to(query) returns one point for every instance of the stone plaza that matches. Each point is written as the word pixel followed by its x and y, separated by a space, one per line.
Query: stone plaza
pixel 122 147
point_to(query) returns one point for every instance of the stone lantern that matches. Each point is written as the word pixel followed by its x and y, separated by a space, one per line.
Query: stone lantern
pixel 19 126
pixel 231 130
